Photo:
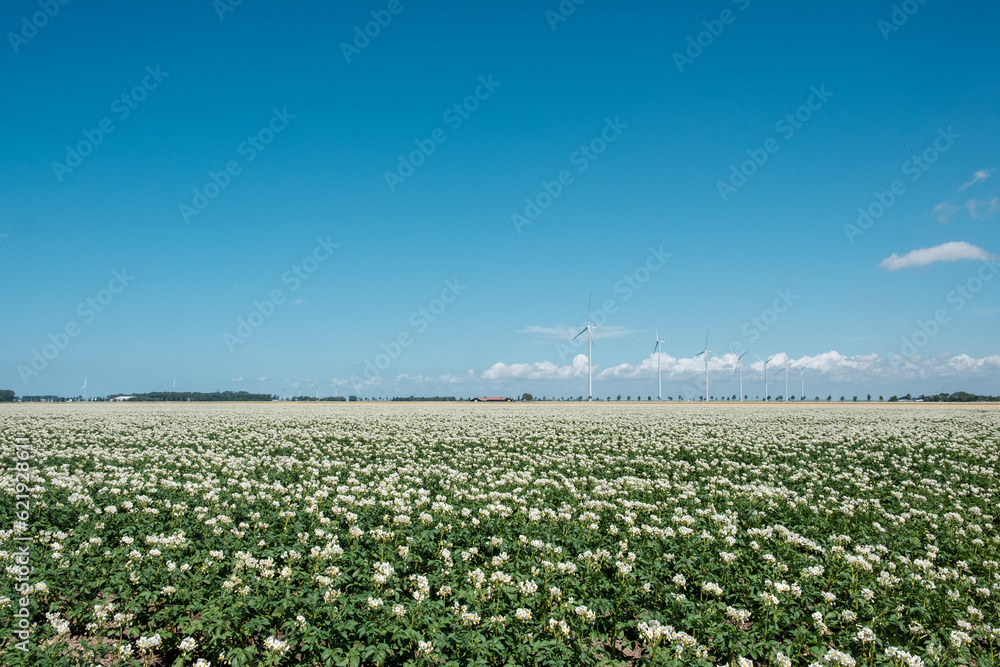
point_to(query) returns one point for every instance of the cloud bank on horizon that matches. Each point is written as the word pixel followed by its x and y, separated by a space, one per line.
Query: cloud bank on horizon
pixel 830 370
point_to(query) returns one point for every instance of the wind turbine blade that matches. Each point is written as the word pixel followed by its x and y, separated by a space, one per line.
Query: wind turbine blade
pixel 706 338
pixel 581 333
pixel 758 356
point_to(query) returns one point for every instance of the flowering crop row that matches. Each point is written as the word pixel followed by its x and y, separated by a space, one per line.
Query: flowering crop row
pixel 503 535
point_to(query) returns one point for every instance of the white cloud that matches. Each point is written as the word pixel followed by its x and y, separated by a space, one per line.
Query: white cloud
pixel 447 378
pixel 239 379
pixel 842 368
pixel 945 210
pixel 832 366
pixel 980 175
pixel 670 367
pixel 959 368
pixel 952 251
pixel 404 381
pixel 261 379
pixel 694 367
pixel 540 370
pixel 824 373
pixel 982 207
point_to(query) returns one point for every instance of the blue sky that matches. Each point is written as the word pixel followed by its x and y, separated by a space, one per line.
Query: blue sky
pixel 260 151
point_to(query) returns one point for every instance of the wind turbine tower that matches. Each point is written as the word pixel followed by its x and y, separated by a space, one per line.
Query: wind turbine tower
pixel 705 352
pixel 784 369
pixel 765 371
pixel 84 387
pixel 590 352
pixel 659 377
pixel 739 369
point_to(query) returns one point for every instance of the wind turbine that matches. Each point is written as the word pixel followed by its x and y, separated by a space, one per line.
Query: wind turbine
pixel 659 378
pixel 739 367
pixel 590 351
pixel 84 387
pixel 787 373
pixel 802 378
pixel 784 369
pixel 765 371
pixel 705 352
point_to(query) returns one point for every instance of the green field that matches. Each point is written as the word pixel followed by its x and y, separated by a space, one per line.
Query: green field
pixel 500 534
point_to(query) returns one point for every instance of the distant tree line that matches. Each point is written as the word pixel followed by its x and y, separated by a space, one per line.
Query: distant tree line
pixel 8 396
pixel 224 396
pixel 954 397
pixel 423 398
pixel 336 399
